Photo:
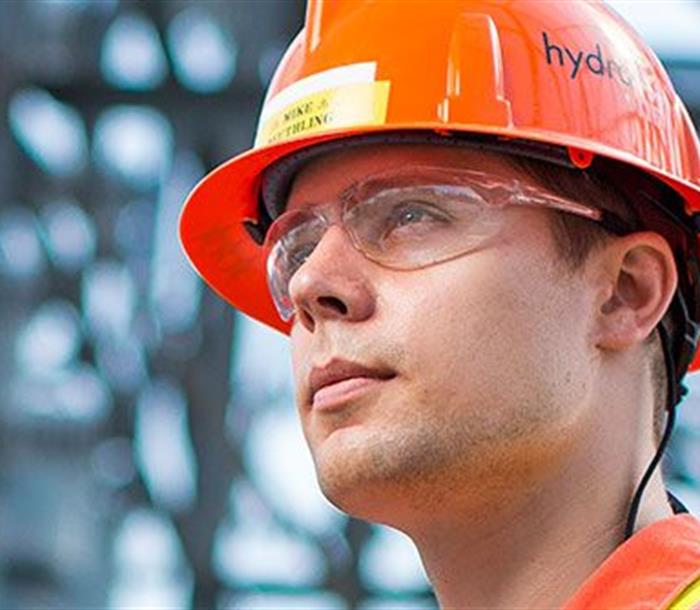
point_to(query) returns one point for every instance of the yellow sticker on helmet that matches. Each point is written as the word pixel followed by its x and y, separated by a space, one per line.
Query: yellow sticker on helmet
pixel 343 106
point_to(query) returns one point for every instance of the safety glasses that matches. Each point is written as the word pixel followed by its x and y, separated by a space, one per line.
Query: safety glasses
pixel 407 219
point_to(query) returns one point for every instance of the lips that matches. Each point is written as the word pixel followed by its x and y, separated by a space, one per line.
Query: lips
pixel 337 371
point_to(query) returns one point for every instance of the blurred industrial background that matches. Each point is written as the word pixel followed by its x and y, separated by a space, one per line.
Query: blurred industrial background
pixel 149 451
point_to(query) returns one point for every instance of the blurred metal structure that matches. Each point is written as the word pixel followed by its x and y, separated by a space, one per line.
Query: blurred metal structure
pixel 141 454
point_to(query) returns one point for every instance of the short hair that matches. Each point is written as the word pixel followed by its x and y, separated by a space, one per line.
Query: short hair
pixel 576 238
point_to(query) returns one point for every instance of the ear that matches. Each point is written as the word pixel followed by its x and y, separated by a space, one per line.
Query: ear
pixel 638 282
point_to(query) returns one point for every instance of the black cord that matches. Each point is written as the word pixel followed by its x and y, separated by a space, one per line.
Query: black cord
pixel 673 397
pixel 678 507
pixel 634 507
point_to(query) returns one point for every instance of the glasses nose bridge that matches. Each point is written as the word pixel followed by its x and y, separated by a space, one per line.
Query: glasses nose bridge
pixel 341 232
pixel 333 214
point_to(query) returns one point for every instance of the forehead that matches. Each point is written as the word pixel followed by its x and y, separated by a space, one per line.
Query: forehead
pixel 324 178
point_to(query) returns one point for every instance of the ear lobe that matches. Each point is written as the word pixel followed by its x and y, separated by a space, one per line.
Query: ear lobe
pixel 641 282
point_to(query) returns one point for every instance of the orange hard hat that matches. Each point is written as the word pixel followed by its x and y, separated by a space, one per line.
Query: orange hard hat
pixel 565 76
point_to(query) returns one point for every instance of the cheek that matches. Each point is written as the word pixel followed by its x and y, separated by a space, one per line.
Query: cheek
pixel 493 331
pixel 300 348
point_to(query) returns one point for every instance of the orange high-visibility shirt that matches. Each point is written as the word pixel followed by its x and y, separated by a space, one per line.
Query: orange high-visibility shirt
pixel 658 568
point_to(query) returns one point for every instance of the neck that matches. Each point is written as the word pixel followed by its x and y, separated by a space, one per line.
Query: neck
pixel 535 549
pixel 538 560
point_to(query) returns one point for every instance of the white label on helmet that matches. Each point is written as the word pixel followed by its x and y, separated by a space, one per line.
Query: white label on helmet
pixel 328 79
pixel 339 97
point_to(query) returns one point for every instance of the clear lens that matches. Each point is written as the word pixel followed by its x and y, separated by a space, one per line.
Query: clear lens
pixel 414 226
pixel 405 219
pixel 291 240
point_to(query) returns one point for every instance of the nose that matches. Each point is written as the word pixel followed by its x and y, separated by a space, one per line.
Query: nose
pixel 332 284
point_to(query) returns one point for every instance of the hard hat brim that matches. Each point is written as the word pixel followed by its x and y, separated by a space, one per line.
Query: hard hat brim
pixel 224 254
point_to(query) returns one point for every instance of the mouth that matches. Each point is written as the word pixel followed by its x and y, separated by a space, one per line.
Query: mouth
pixel 334 396
pixel 336 383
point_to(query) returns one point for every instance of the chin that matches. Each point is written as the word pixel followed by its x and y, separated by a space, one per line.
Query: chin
pixel 345 472
pixel 362 498
pixel 371 478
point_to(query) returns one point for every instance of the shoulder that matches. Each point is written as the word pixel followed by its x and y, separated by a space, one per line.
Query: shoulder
pixel 657 568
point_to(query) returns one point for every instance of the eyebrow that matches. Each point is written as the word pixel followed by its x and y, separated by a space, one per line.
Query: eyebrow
pixel 372 185
pixel 363 188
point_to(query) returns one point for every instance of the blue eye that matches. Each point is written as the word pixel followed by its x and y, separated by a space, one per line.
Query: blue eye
pixel 411 215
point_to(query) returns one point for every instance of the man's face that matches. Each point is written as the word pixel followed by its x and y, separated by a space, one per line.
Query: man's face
pixel 484 358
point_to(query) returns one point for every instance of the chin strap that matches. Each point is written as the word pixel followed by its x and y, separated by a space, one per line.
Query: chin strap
pixel 676 391
pixel 634 507
pixel 678 354
pixel 677 506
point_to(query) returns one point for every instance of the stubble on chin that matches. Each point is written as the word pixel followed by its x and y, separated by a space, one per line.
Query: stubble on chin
pixel 410 469
pixel 370 477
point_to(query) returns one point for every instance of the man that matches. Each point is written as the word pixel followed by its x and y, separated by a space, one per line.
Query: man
pixel 475 219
